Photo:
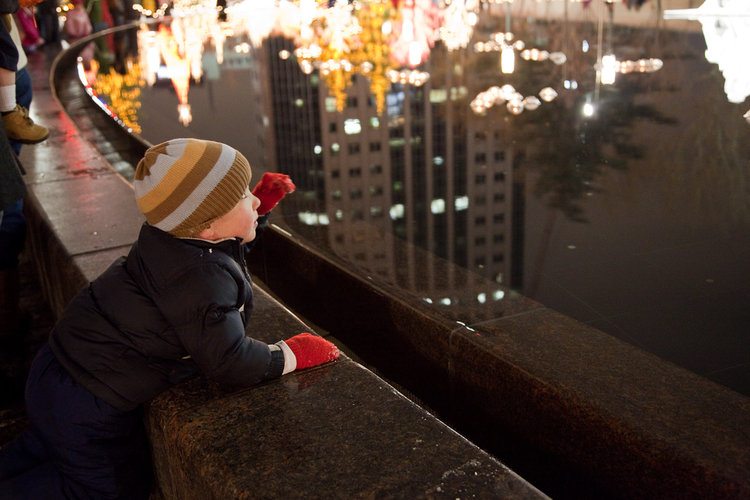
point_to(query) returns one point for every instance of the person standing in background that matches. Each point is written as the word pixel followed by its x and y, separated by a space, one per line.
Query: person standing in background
pixel 13 223
pixel 49 27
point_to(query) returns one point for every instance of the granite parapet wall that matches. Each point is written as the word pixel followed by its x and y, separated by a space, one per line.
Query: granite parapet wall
pixel 616 417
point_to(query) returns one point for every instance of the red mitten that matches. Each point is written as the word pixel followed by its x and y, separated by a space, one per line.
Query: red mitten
pixel 311 350
pixel 271 188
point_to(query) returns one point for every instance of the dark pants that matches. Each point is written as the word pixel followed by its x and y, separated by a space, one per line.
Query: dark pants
pixel 13 223
pixel 78 446
pixel 23 97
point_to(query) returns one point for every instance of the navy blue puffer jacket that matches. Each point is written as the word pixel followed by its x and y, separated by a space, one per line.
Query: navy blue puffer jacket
pixel 171 308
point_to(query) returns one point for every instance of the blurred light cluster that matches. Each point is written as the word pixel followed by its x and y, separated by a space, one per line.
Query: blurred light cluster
pixel 408 76
pixel 156 14
pixel 514 101
pixel 640 66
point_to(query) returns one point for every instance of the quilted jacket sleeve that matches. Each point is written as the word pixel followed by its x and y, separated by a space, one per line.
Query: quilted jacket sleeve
pixel 203 306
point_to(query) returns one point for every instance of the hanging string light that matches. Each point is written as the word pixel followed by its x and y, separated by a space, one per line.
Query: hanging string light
pixel 367 50
pixel 514 101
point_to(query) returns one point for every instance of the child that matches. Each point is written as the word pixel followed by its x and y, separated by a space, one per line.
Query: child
pixel 175 306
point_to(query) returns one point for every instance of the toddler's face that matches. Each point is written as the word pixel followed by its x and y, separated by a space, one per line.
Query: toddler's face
pixel 241 221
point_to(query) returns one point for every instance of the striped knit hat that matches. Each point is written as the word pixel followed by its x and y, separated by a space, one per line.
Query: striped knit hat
pixel 182 185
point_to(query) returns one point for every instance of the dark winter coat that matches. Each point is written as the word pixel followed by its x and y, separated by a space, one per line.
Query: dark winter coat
pixel 172 308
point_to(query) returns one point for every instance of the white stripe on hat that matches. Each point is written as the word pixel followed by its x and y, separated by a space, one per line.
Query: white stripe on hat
pixel 159 169
pixel 201 192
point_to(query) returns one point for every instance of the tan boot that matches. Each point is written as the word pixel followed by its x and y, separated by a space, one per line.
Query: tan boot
pixel 20 127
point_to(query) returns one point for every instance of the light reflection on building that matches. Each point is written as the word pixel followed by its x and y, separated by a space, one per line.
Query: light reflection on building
pixel 401 193
pixel 416 164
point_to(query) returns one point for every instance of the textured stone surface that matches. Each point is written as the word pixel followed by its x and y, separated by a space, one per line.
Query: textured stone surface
pixel 60 157
pixel 334 430
pixel 89 214
pixel 610 412
pixel 59 280
pixel 337 430
pixel 625 415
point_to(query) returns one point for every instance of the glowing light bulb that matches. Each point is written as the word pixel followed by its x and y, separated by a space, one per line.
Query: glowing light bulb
pixel 415 53
pixel 608 69
pixel 588 110
pixel 507 60
pixel 548 94
pixel 185 114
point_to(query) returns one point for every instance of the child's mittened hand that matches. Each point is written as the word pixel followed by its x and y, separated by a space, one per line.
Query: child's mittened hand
pixel 271 188
pixel 311 350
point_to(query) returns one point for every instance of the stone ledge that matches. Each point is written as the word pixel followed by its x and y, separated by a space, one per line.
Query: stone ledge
pixel 613 414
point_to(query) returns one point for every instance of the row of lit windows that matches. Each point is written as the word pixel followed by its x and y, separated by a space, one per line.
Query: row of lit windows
pixel 478 261
pixel 356 194
pixel 482 157
pixel 482 178
pixel 359 215
pixel 482 220
pixel 481 135
pixel 351 102
pixel 437 205
pixel 395 213
pixel 482 261
pixel 482 200
pixel 354 147
pixel 356 172
pixel 497 238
